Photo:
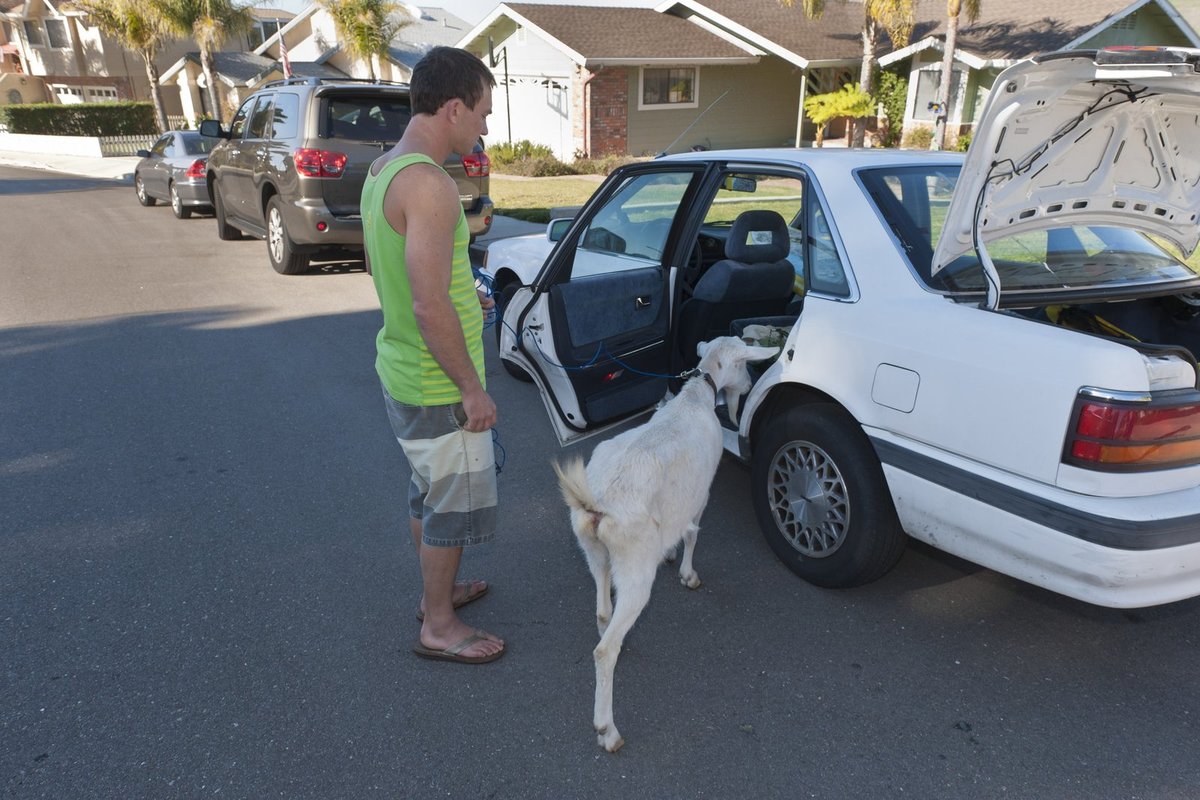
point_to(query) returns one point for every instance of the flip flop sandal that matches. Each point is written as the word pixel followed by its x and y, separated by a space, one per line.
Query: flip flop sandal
pixel 454 651
pixel 469 597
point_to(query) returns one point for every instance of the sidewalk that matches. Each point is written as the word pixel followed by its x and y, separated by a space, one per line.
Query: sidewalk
pixel 121 169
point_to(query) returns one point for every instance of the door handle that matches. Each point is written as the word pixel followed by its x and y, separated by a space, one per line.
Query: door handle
pixel 642 302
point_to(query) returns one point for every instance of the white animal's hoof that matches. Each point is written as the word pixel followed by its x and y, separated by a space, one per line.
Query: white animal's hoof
pixel 692 582
pixel 609 739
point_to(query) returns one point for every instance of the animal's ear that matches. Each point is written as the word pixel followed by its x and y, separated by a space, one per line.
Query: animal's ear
pixel 702 348
pixel 761 353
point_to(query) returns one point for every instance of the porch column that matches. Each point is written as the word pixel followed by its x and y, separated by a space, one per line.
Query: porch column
pixel 189 98
pixel 800 111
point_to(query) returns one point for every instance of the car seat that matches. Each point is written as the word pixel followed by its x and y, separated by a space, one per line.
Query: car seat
pixel 753 280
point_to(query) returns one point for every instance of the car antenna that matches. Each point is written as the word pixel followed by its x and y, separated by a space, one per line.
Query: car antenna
pixel 689 127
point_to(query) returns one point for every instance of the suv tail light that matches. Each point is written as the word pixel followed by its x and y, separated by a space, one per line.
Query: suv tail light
pixel 477 164
pixel 315 163
pixel 196 170
pixel 1160 430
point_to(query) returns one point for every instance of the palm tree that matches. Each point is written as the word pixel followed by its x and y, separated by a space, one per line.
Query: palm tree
pixel 953 9
pixel 366 27
pixel 896 17
pixel 138 26
pixel 210 23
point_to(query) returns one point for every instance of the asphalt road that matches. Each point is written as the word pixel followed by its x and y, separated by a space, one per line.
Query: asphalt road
pixel 206 586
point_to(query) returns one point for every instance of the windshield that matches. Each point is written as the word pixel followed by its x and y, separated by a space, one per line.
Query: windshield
pixel 914 201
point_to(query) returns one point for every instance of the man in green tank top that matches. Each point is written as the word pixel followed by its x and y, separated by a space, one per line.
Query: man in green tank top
pixel 430 349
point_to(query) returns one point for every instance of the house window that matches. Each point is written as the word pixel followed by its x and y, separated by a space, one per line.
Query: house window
pixel 264 29
pixel 33 33
pixel 14 97
pixel 674 87
pixel 928 82
pixel 56 30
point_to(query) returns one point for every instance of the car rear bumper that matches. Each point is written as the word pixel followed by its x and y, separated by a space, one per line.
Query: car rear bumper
pixel 311 224
pixel 193 193
pixel 1123 552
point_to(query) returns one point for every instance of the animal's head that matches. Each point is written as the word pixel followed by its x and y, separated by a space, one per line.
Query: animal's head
pixel 725 359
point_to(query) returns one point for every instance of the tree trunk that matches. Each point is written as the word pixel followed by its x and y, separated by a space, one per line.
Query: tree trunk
pixel 943 95
pixel 209 65
pixel 160 111
pixel 866 78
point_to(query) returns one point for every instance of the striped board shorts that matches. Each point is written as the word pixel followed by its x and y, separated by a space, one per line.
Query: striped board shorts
pixel 453 489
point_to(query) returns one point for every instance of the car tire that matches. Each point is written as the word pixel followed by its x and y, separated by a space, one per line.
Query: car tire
pixel 284 258
pixel 177 207
pixel 225 231
pixel 502 297
pixel 821 498
pixel 140 188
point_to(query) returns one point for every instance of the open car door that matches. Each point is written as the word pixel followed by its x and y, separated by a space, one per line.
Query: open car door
pixel 594 329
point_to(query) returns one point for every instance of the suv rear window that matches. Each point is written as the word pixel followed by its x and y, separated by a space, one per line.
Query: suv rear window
pixel 366 118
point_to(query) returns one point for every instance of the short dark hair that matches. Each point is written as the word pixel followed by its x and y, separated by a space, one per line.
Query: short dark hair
pixel 448 73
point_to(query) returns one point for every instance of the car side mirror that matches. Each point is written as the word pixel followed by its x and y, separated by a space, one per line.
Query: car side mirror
pixel 557 228
pixel 212 129
pixel 143 153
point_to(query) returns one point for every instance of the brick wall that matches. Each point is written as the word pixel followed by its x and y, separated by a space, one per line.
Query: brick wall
pixel 600 111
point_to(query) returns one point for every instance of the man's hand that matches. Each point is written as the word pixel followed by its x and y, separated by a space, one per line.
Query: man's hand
pixel 486 301
pixel 480 411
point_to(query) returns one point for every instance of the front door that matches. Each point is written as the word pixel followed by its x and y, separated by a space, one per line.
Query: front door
pixel 594 329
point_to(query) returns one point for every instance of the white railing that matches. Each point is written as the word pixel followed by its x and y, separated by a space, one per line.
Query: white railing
pixel 124 145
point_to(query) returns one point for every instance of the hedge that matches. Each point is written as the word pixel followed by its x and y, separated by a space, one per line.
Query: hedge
pixel 80 119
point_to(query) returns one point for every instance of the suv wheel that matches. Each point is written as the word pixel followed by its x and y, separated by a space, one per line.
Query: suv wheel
pixel 224 229
pixel 181 211
pixel 821 498
pixel 284 257
pixel 140 188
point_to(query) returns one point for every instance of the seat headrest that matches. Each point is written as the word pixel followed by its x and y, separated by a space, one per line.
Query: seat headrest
pixel 757 237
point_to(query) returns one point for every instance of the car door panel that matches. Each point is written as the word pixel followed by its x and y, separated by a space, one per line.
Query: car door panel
pixel 603 303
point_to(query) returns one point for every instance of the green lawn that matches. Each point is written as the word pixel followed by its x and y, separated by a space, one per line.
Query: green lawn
pixel 531 199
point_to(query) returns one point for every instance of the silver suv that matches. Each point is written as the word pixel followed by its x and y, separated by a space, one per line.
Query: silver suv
pixel 291 167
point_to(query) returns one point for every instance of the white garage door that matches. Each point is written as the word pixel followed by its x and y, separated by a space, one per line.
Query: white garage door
pixel 541 113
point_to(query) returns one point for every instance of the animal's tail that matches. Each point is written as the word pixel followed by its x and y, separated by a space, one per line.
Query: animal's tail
pixel 572 480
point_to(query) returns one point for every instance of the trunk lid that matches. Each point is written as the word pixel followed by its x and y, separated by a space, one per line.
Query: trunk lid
pixel 1082 138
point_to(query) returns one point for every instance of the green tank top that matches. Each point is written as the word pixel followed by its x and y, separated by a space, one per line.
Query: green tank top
pixel 407 368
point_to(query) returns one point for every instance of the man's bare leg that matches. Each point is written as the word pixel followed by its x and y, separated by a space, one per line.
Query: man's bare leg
pixel 442 628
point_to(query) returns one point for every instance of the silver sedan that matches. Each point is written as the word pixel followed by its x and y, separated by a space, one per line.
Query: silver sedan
pixel 173 170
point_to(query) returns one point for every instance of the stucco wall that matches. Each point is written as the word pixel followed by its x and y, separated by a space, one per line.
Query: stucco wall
pixel 759 110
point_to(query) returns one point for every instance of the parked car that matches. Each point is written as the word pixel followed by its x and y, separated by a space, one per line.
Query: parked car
pixel 292 166
pixel 174 170
pixel 994 355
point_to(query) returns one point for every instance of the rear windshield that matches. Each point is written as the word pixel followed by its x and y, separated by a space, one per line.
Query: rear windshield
pixel 198 145
pixel 368 119
pixel 914 202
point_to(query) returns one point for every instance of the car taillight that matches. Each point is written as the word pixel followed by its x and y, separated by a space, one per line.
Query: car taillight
pixel 477 165
pixel 196 170
pixel 1117 435
pixel 315 163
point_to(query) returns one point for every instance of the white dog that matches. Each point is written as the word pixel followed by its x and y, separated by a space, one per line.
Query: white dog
pixel 642 493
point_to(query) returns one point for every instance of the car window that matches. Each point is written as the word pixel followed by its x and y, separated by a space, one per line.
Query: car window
pixel 739 192
pixel 238 125
pixel 160 147
pixel 366 118
pixel 285 118
pixel 259 118
pixel 198 145
pixel 825 271
pixel 630 230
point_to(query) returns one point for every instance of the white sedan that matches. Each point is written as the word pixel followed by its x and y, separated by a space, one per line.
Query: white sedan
pixel 992 355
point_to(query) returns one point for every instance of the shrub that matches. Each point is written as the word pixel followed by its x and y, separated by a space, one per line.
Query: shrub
pixel 963 142
pixel 892 93
pixel 918 138
pixel 601 166
pixel 81 119
pixel 510 152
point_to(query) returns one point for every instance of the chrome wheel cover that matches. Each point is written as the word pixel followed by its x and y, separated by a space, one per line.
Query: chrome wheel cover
pixel 140 188
pixel 275 235
pixel 176 203
pixel 808 499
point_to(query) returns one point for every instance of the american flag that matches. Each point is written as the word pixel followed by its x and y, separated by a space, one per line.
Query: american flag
pixel 283 57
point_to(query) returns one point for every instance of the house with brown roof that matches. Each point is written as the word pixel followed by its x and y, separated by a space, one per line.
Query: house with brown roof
pixel 725 73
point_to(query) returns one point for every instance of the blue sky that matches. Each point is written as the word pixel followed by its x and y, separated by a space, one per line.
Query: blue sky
pixel 475 10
